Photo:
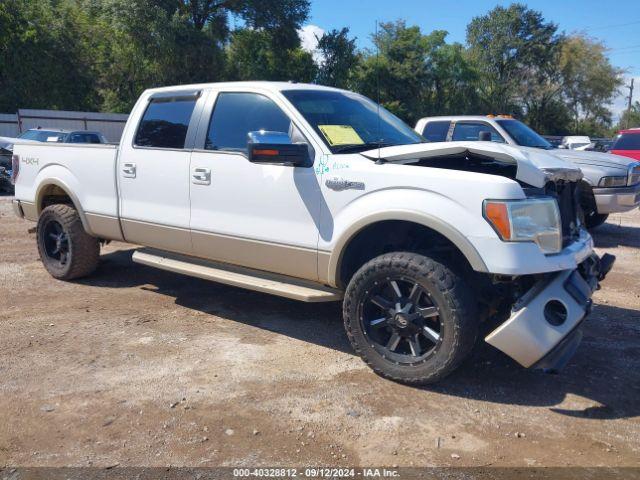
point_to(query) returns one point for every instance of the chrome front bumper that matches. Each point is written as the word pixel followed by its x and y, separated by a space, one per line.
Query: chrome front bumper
pixel 543 330
pixel 617 199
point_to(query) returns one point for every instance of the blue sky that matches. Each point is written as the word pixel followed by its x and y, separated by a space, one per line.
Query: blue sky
pixel 616 23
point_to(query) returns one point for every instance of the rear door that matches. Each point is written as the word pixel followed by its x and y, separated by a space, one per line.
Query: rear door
pixel 153 171
pixel 260 216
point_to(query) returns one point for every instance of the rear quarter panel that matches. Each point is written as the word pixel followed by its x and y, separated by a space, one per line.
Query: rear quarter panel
pixel 85 172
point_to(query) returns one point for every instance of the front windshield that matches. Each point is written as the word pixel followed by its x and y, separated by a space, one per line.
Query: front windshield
pixel 42 136
pixel 349 122
pixel 523 135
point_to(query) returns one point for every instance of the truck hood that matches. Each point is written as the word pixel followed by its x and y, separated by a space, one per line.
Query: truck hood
pixel 533 167
pixel 600 159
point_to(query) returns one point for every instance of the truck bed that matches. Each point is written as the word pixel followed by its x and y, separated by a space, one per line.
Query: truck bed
pixel 85 171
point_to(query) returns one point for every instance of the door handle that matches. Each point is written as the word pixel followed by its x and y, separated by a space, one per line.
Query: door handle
pixel 129 170
pixel 201 176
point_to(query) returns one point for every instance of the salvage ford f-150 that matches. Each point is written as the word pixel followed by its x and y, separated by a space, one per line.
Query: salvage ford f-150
pixel 318 194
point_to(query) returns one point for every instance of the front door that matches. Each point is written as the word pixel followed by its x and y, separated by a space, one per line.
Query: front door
pixel 260 216
pixel 153 174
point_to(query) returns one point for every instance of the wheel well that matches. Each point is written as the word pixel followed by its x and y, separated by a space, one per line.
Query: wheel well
pixel 51 195
pixel 392 236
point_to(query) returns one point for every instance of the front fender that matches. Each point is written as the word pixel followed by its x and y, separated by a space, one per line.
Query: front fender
pixel 429 209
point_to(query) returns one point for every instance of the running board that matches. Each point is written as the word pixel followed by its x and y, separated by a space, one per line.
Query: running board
pixel 242 277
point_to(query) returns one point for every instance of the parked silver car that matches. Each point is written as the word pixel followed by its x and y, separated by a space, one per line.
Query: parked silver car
pixel 611 183
pixel 53 135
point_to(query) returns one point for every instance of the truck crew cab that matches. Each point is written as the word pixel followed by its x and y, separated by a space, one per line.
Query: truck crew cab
pixel 317 194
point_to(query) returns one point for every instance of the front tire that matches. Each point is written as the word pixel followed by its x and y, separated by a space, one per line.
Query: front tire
pixel 411 318
pixel 66 250
pixel 594 220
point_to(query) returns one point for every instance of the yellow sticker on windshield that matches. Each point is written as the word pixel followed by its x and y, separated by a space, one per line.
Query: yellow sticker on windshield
pixel 340 135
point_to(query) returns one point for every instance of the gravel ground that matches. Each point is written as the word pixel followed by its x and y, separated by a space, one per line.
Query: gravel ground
pixel 136 366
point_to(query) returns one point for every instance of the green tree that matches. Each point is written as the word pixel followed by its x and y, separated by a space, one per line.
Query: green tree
pixel 629 118
pixel 396 73
pixel 44 59
pixel 255 55
pixel 415 75
pixel 589 83
pixel 338 58
pixel 282 17
pixel 512 49
pixel 451 88
pixel 130 59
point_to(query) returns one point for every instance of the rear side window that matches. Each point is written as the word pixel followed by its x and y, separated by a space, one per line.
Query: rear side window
pixel 627 141
pixel 165 123
pixel 436 131
pixel 237 114
pixel 471 132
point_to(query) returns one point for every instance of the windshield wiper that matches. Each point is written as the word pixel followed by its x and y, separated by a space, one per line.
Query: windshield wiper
pixel 361 146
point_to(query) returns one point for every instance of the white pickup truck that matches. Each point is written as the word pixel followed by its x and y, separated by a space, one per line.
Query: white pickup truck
pixel 318 194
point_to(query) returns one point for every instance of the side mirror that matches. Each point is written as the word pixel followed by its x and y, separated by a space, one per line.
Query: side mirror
pixel 484 136
pixel 276 148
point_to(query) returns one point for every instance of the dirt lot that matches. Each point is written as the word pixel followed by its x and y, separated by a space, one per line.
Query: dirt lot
pixel 135 366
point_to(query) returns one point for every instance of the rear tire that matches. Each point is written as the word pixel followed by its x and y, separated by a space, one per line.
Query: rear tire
pixel 411 318
pixel 66 250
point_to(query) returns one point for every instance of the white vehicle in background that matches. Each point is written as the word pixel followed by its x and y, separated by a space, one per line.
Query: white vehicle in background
pixel 610 183
pixel 575 142
pixel 318 194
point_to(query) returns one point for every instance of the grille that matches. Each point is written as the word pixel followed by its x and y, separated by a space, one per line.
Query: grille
pixel 567 195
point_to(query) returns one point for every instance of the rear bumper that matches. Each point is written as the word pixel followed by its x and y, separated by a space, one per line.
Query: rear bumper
pixel 544 328
pixel 617 199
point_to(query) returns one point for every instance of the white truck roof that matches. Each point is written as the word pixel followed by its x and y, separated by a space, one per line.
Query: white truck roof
pixel 265 85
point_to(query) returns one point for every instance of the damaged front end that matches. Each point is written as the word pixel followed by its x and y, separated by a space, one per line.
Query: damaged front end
pixel 544 329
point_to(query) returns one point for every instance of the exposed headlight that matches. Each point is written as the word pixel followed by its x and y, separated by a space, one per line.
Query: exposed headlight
pixel 612 182
pixel 634 174
pixel 532 220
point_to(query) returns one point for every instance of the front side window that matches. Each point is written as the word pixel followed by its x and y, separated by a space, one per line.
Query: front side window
pixel 165 123
pixel 348 122
pixel 471 132
pixel 436 131
pixel 235 114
